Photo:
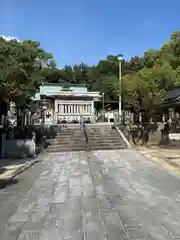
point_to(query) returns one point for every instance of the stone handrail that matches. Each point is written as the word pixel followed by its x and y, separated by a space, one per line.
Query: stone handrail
pixel 83 125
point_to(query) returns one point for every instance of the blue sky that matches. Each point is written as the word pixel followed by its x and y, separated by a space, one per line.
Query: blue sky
pixel 89 30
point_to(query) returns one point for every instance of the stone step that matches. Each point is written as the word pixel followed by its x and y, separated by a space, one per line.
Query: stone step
pixel 68 140
pixel 104 142
pixel 66 144
pixel 115 147
pixel 64 150
pixel 62 133
pixel 101 130
pixel 103 137
pixel 103 134
pixel 69 137
pixel 69 134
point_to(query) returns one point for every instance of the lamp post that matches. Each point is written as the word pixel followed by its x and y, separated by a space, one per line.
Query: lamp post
pixel 120 88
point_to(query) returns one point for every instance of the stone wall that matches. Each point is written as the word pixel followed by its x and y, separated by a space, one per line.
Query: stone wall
pixel 18 148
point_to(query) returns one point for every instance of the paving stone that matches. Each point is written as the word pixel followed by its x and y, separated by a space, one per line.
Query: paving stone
pixel 93 228
pixel 30 235
pixel 36 220
pixel 72 226
pixel 138 233
pixel 88 190
pixel 103 202
pixel 12 231
pixel 89 207
pixel 65 210
pixel 75 191
pixel 86 179
pixel 97 195
pixel 51 234
pixel 61 194
pixel 20 216
pixel 132 223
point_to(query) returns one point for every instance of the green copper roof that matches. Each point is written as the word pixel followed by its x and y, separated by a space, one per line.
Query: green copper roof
pixel 55 88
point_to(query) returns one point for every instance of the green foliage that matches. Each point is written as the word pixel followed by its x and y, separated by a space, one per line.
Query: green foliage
pixel 21 64
pixel 144 79
pixel 157 71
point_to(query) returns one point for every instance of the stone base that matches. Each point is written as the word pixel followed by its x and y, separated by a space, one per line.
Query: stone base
pixel 18 148
pixel 174 136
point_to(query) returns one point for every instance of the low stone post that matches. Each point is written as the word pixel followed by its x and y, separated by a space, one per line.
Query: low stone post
pixel 3 145
pixel 165 134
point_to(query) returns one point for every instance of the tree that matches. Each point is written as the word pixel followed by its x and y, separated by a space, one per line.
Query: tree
pixel 146 77
pixel 21 65
pixel 52 75
pixel 107 84
pixel 150 84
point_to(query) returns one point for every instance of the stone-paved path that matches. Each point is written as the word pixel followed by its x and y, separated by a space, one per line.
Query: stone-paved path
pixel 98 195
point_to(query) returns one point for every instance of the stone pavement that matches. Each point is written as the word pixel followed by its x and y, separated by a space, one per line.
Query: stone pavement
pixel 10 168
pixel 98 195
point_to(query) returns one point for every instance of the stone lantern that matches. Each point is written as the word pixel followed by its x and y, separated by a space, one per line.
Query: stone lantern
pixel 44 106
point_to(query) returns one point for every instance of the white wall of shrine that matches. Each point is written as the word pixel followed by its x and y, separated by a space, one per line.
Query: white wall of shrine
pixel 69 110
pixel 73 109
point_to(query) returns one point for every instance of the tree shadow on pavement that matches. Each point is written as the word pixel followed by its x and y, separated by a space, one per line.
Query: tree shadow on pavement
pixel 6 183
pixel 2 169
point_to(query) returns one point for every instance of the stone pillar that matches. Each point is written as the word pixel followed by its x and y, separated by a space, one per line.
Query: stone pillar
pixel 53 115
pixel 75 109
pixel 171 113
pixel 92 112
pixel 68 109
pixel 81 109
pixel 55 111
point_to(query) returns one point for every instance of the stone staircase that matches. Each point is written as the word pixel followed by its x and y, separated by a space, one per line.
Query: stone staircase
pixel 103 137
pixel 67 140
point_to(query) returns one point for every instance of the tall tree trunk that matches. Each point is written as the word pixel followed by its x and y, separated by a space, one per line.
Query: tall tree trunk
pixel 20 118
pixel 3 110
pixel 165 135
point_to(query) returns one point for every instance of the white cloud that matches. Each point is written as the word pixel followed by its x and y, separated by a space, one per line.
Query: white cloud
pixel 7 38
